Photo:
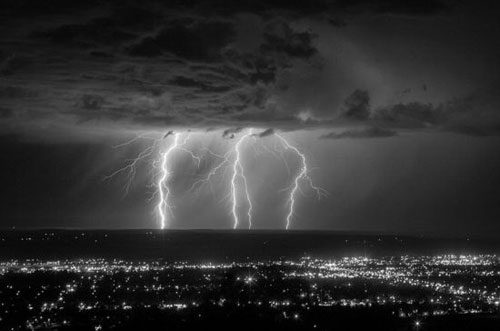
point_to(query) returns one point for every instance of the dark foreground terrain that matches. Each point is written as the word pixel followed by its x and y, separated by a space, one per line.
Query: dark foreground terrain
pixel 152 280
pixel 225 245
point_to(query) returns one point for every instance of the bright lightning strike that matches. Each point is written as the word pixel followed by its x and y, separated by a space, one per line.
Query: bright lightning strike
pixel 238 170
pixel 232 160
pixel 302 175
pixel 164 207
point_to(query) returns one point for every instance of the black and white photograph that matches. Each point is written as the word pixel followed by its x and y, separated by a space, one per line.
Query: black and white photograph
pixel 316 165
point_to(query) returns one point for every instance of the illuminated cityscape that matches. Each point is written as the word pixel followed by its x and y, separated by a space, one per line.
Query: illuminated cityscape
pixel 409 291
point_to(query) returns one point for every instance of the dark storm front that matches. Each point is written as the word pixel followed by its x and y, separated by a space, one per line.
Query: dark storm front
pixel 100 280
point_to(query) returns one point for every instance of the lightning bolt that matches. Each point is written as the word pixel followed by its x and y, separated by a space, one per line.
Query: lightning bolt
pixel 238 170
pixel 208 178
pixel 130 169
pixel 231 160
pixel 164 207
pixel 302 175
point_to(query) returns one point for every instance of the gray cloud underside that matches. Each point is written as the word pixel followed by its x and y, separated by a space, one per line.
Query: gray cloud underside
pixel 371 132
pixel 156 65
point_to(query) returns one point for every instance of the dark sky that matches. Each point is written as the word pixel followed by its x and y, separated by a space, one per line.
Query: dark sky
pixel 395 104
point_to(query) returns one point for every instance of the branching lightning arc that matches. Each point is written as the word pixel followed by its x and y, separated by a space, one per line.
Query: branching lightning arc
pixel 233 160
pixel 238 170
pixel 164 206
pixel 302 175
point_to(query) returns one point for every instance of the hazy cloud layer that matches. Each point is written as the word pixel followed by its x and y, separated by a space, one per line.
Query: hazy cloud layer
pixel 160 65
pixel 371 132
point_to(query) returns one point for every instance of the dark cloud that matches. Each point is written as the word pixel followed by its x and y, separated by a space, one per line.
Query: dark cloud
pixel 136 16
pixel 12 63
pixel 265 133
pixel 410 115
pixel 412 7
pixel 6 113
pixel 92 102
pixel 229 133
pixel 371 132
pixel 409 7
pixel 97 32
pixel 476 114
pixel 169 133
pixel 281 38
pixel 16 92
pixel 201 41
pixel 207 86
pixel 265 76
pixel 357 105
pixel 101 54
pixel 227 7
pixel 168 63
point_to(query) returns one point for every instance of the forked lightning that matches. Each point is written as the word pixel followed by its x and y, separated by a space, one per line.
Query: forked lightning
pixel 233 159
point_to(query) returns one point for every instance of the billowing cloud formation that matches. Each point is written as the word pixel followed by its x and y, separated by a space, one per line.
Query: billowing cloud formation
pixel 188 39
pixel 161 65
pixel 357 105
pixel 265 133
pixel 229 133
pixel 476 114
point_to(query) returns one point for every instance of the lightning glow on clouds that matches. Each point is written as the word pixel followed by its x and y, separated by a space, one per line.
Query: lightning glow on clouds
pixel 233 160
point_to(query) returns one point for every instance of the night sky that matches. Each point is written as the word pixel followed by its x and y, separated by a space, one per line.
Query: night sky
pixel 394 103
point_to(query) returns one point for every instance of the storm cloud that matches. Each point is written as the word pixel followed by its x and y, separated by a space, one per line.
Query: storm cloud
pixel 394 104
pixel 159 65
